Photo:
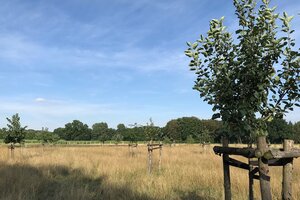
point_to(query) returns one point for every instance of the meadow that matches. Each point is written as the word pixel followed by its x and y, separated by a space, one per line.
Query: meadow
pixel 111 172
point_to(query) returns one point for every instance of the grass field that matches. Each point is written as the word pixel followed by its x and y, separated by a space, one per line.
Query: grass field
pixel 110 172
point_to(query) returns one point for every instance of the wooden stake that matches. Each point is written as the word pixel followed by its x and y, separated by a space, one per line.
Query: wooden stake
pixel 251 180
pixel 12 148
pixel 160 152
pixel 287 173
pixel 129 148
pixel 264 177
pixel 150 157
pixel 226 170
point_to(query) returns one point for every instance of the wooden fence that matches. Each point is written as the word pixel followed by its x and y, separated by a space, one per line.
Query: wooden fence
pixel 152 147
pixel 259 160
pixel 132 147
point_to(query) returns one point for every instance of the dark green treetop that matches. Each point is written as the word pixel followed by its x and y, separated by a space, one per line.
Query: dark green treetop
pixel 76 130
pixel 15 132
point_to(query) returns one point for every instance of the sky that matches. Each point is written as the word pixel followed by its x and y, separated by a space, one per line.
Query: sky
pixel 116 61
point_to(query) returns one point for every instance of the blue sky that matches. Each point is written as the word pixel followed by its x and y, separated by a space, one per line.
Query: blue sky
pixel 118 61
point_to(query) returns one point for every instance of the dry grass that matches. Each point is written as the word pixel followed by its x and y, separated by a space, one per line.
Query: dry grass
pixel 188 172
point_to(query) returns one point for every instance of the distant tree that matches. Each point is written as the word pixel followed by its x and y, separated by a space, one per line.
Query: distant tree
pixel 100 131
pixel 60 132
pixel 15 132
pixel 135 133
pixel 296 132
pixel 279 130
pixel 251 78
pixel 205 136
pixel 190 139
pixel 213 127
pixel 182 128
pixel 167 140
pixel 191 126
pixel 117 138
pixel 130 135
pixel 77 131
pixel 172 130
pixel 31 134
pixel 121 127
pixel 47 137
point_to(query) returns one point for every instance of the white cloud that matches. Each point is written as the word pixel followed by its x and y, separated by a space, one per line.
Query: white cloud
pixel 40 99
pixel 55 108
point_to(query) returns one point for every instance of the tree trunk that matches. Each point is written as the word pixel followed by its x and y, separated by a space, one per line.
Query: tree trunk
pixel 287 173
pixel 226 170
pixel 264 177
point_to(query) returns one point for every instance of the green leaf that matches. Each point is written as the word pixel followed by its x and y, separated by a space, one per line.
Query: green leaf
pixel 289 19
pixel 216 116
pixel 194 45
pixel 269 119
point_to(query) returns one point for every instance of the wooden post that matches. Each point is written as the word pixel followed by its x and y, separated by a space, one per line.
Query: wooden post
pixel 287 173
pixel 12 148
pixel 251 180
pixel 160 152
pixel 129 148
pixel 150 157
pixel 264 178
pixel 226 170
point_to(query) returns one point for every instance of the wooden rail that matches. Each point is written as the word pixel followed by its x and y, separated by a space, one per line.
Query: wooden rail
pixel 259 161
pixel 131 147
pixel 246 152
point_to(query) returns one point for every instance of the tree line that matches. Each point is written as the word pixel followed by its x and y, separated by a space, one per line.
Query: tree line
pixel 185 129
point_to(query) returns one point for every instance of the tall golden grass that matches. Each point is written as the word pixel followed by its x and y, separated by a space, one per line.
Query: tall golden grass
pixel 111 172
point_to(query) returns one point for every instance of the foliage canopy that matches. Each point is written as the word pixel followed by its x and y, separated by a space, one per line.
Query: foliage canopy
pixel 250 77
pixel 15 132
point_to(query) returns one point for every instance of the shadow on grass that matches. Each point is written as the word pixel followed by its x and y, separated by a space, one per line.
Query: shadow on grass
pixel 24 182
pixel 194 196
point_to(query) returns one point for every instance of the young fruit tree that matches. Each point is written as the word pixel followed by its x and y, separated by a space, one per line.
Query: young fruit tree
pixel 252 76
pixel 15 132
pixel 152 132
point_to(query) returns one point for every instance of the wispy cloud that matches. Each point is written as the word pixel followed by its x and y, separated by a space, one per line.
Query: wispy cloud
pixel 16 50
pixel 56 108
pixel 54 113
pixel 40 99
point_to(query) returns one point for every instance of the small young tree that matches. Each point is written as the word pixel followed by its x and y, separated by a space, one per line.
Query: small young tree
pixel 15 132
pixel 253 77
pixel 117 137
pixel 47 137
pixel 152 132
